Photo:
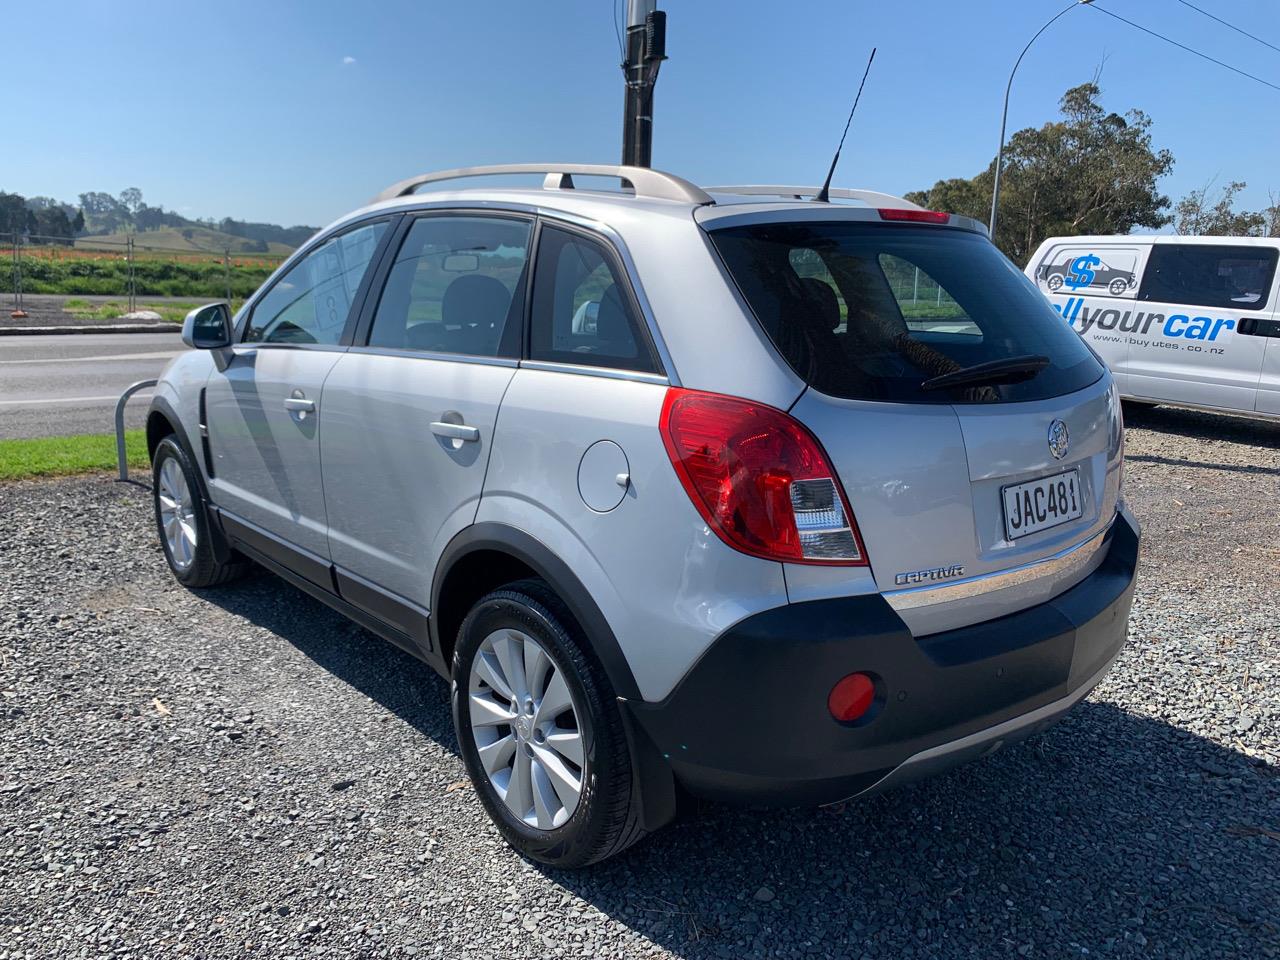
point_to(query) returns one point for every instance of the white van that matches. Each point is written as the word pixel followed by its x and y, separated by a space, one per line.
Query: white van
pixel 1188 321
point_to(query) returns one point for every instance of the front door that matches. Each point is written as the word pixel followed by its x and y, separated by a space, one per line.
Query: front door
pixel 409 415
pixel 1267 327
pixel 262 408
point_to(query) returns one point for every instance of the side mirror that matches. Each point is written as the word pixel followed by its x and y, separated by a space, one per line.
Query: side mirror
pixel 208 327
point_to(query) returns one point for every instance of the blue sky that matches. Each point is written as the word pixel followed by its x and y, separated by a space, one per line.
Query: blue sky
pixel 295 112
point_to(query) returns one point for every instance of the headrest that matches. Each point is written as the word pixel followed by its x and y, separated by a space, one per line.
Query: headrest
pixel 822 301
pixel 612 324
pixel 475 299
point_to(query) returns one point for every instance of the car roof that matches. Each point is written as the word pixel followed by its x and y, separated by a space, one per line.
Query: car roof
pixel 1146 239
pixel 646 192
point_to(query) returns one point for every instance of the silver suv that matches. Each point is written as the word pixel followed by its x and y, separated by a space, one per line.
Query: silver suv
pixel 725 493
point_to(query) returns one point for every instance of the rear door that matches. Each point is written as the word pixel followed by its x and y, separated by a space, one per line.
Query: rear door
pixel 947 484
pixel 1269 384
pixel 410 411
pixel 1190 347
pixel 263 411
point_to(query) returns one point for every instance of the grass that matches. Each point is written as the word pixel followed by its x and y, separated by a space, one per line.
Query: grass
pixel 75 272
pixel 172 312
pixel 61 456
pixel 185 239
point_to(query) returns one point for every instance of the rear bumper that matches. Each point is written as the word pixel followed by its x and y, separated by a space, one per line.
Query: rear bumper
pixel 750 722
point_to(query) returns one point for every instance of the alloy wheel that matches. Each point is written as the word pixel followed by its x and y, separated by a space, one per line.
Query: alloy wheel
pixel 177 515
pixel 526 728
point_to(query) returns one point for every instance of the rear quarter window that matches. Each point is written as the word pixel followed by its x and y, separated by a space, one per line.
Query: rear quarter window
pixel 1210 275
pixel 870 311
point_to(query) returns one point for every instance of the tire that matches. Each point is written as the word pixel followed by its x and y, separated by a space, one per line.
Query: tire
pixel 536 811
pixel 1054 282
pixel 1118 286
pixel 181 510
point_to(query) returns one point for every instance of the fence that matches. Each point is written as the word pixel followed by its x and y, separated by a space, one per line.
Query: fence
pixel 126 268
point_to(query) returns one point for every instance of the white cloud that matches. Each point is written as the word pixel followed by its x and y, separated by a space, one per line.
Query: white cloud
pixel 348 61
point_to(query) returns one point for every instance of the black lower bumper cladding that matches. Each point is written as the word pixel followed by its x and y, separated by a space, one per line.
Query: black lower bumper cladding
pixel 750 721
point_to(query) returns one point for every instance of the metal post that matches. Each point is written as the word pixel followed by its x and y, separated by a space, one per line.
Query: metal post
pixel 915 286
pixel 122 461
pixel 19 305
pixel 130 289
pixel 646 49
pixel 1004 116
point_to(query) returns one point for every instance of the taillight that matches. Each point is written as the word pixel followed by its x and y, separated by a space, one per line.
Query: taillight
pixel 760 479
pixel 914 216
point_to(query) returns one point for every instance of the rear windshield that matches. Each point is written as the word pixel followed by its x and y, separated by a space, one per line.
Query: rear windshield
pixel 872 311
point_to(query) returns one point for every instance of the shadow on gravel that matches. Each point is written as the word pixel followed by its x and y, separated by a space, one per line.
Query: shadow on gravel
pixel 1204 465
pixel 1199 425
pixel 1110 833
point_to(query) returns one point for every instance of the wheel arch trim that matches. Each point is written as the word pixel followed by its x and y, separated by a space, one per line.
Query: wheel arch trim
pixel 559 577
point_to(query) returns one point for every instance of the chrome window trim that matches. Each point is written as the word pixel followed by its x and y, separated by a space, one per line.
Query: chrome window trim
pixel 609 373
pixel 412 354
pixel 1071 560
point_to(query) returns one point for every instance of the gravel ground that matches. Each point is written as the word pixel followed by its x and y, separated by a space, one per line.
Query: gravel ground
pixel 243 773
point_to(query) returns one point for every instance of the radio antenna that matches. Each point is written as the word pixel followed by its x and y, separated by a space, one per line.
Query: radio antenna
pixel 824 195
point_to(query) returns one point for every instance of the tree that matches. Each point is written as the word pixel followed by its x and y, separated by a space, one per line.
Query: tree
pixel 15 215
pixel 77 224
pixel 53 224
pixel 1196 215
pixel 131 200
pixel 1090 172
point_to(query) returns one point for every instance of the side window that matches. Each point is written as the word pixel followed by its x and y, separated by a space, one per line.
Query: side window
pixel 581 311
pixel 310 303
pixel 925 304
pixel 1100 272
pixel 1209 275
pixel 456 286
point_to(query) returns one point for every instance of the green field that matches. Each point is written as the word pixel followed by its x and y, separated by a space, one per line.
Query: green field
pixel 59 456
pixel 170 310
pixel 153 277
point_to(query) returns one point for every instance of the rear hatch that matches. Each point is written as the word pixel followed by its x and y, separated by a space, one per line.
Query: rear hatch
pixel 975 435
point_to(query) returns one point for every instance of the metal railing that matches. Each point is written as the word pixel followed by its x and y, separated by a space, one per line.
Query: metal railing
pixel 122 459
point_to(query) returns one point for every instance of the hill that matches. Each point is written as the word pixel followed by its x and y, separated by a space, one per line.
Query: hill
pixel 196 239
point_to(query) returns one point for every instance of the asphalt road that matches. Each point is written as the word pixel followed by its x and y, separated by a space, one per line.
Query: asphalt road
pixel 63 385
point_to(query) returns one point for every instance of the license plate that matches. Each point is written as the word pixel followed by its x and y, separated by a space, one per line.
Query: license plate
pixel 1040 504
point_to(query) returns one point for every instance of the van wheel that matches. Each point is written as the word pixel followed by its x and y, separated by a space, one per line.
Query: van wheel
pixel 539 730
pixel 1054 282
pixel 183 521
pixel 1119 286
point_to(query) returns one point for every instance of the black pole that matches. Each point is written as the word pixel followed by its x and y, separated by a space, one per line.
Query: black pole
pixel 646 49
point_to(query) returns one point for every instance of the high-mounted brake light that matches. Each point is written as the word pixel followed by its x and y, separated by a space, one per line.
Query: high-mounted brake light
pixel 914 216
pixel 759 479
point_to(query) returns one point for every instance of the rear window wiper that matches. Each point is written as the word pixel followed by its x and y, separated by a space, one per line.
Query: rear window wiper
pixel 1008 370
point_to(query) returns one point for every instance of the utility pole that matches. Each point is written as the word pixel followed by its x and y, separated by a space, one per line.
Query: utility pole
pixel 646 49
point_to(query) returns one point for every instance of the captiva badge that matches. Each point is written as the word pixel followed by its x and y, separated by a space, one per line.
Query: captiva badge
pixel 1059 439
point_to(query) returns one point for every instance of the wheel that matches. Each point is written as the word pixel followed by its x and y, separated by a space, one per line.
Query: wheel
pixel 1118 286
pixel 540 731
pixel 183 522
pixel 1054 282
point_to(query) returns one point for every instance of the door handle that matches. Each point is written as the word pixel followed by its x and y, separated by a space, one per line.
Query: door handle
pixel 455 431
pixel 299 405
pixel 1258 327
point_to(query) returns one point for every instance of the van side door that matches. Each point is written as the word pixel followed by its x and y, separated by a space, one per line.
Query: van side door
pixel 263 412
pixel 1190 347
pixel 1267 327
pixel 410 410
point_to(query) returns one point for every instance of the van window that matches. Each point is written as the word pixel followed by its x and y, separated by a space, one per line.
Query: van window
pixel 581 308
pixel 1090 271
pixel 1209 275
pixel 894 306
pixel 310 303
pixel 457 286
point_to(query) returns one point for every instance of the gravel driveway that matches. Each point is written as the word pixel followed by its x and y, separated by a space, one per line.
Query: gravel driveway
pixel 243 773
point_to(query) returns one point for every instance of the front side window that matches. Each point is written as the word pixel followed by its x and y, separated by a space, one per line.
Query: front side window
pixel 1209 275
pixel 582 313
pixel 311 302
pixel 457 286
pixel 892 308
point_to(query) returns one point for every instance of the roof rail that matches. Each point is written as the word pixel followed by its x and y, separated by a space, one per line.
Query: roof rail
pixel 870 197
pixel 644 181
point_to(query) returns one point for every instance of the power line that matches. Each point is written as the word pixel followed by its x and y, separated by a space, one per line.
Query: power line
pixel 1183 46
pixel 1231 26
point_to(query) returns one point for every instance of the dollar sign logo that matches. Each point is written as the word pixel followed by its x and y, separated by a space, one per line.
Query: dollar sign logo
pixel 1081 275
